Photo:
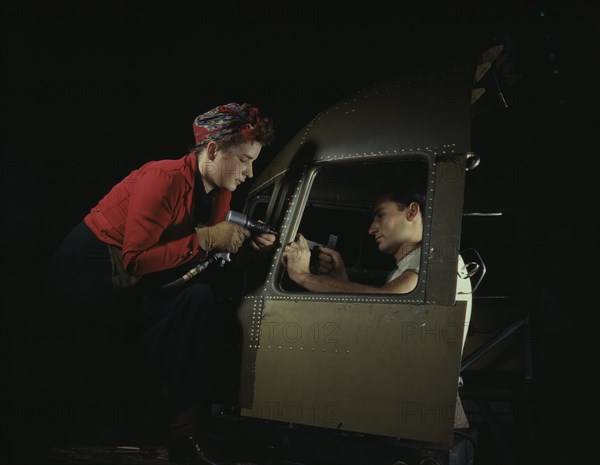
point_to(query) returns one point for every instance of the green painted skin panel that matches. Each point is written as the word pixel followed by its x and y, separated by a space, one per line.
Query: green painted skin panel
pixel 385 369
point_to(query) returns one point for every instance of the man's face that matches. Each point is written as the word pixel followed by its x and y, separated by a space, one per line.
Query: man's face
pixel 390 227
pixel 232 166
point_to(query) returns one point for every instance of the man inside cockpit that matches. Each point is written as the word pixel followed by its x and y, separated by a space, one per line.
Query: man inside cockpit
pixel 397 227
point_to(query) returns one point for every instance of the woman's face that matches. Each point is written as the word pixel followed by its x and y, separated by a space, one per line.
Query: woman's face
pixel 232 166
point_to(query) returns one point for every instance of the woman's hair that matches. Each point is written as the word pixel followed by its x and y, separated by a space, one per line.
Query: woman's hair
pixel 232 124
pixel 263 132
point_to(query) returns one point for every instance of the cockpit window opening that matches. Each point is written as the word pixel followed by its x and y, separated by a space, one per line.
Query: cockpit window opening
pixel 340 205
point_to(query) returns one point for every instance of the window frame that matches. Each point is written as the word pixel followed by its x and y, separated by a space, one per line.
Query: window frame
pixel 296 209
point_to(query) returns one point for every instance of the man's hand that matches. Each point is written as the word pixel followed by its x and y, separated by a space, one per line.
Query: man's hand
pixel 329 262
pixel 223 236
pixel 296 257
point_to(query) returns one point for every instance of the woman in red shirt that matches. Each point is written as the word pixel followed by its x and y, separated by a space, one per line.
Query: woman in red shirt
pixel 162 216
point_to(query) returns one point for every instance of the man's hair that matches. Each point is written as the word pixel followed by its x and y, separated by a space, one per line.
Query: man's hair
pixel 403 196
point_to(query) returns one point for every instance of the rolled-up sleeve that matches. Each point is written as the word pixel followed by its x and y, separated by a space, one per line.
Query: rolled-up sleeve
pixel 150 213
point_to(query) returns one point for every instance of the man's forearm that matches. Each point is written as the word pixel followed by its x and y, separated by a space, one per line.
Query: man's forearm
pixel 320 283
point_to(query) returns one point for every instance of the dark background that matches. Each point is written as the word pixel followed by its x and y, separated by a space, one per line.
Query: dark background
pixel 91 90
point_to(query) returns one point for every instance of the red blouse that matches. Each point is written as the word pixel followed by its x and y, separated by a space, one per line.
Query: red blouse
pixel 149 214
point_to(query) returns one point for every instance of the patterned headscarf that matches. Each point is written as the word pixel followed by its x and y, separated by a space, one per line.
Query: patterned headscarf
pixel 226 120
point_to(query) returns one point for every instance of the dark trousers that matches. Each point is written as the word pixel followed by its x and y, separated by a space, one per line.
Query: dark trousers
pixel 79 275
pixel 180 332
pixel 183 337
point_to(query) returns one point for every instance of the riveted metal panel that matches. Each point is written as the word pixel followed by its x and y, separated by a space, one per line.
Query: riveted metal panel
pixel 378 368
pixel 444 230
pixel 424 111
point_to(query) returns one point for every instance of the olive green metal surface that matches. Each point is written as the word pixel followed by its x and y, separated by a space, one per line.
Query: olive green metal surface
pixel 385 369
